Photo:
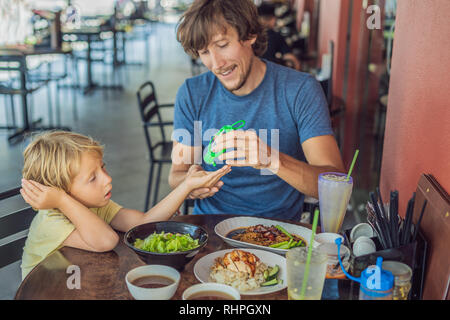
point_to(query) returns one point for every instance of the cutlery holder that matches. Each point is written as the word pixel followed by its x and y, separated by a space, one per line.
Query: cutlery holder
pixel 413 254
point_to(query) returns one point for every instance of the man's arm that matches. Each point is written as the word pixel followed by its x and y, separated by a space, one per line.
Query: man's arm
pixel 182 160
pixel 322 155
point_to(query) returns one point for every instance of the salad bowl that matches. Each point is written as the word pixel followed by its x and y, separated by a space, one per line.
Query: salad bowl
pixel 170 253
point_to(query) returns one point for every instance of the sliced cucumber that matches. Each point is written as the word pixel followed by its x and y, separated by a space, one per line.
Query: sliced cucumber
pixel 266 274
pixel 273 273
pixel 269 283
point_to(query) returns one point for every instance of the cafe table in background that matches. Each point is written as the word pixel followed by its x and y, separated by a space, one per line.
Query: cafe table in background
pixel 14 60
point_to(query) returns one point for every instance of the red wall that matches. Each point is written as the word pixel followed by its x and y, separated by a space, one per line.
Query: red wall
pixel 333 26
pixel 417 137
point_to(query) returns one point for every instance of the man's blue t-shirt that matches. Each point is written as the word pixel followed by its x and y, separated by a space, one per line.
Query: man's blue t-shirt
pixel 285 110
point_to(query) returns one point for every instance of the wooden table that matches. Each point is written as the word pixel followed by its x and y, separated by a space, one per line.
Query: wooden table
pixel 103 274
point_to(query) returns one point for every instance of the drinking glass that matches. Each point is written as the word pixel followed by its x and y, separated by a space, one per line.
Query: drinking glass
pixel 295 268
pixel 334 195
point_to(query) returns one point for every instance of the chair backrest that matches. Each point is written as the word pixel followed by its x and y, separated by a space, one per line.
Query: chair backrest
pixel 149 109
pixel 14 226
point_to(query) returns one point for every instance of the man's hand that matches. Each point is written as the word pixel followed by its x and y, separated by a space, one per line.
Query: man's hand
pixel 41 197
pixel 248 150
pixel 210 188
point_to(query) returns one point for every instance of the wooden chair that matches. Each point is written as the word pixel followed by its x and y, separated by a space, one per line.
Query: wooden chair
pixel 14 226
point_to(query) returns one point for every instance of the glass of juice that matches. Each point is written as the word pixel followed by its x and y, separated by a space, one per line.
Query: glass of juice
pixel 295 268
pixel 334 195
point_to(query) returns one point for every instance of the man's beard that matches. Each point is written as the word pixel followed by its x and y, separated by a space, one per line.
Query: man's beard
pixel 243 80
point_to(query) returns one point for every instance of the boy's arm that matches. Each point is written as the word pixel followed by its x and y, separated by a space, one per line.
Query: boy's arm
pixel 183 164
pixel 126 219
pixel 91 232
pixel 75 240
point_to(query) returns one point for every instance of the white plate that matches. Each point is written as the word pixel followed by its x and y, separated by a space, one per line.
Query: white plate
pixel 203 266
pixel 228 225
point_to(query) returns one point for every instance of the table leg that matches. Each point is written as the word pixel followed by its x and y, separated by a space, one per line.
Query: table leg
pixel 130 63
pixel 115 60
pixel 23 87
pixel 27 126
pixel 90 83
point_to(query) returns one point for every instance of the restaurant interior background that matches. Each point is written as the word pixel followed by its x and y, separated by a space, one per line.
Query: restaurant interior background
pixel 388 96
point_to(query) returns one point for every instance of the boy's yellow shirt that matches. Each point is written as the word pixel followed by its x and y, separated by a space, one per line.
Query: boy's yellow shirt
pixel 49 229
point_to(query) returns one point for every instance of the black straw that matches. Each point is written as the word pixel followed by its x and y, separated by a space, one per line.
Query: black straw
pixel 416 231
pixel 385 220
pixel 392 214
pixel 379 218
pixel 403 231
pixel 407 225
pixel 396 220
pixel 382 240
pixel 375 225
pixel 411 214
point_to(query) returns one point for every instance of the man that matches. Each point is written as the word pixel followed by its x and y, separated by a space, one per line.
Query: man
pixel 287 139
pixel 277 49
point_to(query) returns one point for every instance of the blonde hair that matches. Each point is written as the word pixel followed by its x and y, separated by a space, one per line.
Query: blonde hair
pixel 53 158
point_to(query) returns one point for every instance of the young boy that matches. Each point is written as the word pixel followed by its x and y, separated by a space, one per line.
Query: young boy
pixel 64 176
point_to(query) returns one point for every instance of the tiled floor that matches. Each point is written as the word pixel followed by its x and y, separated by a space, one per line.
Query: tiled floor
pixel 115 121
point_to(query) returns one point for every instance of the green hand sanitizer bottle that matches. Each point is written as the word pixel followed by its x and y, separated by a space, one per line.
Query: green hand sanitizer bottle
pixel 210 156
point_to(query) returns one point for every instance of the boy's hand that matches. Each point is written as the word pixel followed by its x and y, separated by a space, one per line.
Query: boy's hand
pixel 39 196
pixel 205 179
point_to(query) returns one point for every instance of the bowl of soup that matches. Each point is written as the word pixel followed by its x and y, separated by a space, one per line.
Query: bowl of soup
pixel 211 291
pixel 153 282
